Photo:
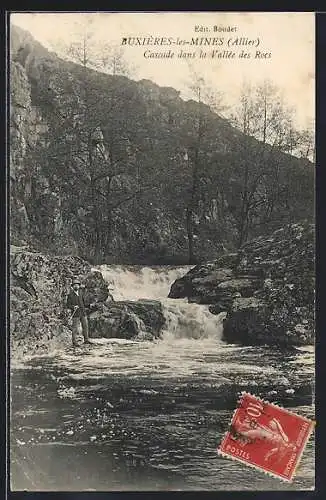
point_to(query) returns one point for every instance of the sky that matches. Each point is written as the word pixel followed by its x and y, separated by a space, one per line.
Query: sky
pixel 285 42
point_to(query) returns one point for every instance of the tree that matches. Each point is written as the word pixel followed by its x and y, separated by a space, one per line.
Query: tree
pixel 268 132
pixel 105 57
pixel 194 152
pixel 110 59
pixel 92 155
pixel 306 147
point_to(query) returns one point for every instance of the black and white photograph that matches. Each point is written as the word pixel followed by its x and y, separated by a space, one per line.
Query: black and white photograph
pixel 161 170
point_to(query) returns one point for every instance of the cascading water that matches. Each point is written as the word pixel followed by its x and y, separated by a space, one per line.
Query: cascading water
pixel 148 415
pixel 135 282
pixel 183 319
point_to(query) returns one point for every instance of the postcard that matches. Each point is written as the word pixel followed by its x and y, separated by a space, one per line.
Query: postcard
pixel 162 328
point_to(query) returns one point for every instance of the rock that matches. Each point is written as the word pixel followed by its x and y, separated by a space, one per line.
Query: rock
pixel 96 289
pixel 143 336
pixel 245 322
pixel 275 278
pixel 222 285
pixel 143 319
pixel 50 276
pixel 201 285
pixel 39 286
pixel 244 286
pixel 216 308
pixel 215 276
pixel 24 283
pixel 130 325
pixel 19 294
pixel 40 320
pixel 228 260
pixel 150 312
pixel 181 288
pixel 222 306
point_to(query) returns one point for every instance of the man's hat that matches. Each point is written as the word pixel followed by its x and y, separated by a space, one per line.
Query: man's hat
pixel 75 280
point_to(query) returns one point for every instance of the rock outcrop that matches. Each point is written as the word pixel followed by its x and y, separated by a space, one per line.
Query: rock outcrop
pixel 39 286
pixel 267 288
pixel 39 319
pixel 143 320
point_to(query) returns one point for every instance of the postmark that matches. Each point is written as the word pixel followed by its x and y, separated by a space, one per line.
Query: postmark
pixel 266 437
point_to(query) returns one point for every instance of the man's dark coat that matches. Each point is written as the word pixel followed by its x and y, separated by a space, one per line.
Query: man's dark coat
pixel 76 300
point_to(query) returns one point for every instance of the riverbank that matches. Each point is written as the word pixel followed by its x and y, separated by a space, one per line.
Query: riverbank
pixel 266 288
pixel 39 319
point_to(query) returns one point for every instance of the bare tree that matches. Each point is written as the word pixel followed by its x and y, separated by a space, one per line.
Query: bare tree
pixel 203 91
pixel 203 94
pixel 306 147
pixel 110 58
pixel 106 57
pixel 261 115
pixel 98 154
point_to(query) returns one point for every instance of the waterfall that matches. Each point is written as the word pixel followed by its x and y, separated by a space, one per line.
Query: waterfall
pixel 183 320
pixel 135 282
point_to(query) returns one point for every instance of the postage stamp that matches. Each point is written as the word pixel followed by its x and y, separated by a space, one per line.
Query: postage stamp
pixel 266 437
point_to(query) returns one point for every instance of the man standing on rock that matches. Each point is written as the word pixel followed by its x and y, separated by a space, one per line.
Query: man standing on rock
pixel 75 302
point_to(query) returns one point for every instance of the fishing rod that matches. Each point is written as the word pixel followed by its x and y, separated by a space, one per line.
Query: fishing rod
pixel 74 311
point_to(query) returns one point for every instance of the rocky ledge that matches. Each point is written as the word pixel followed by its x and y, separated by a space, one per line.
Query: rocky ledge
pixel 140 320
pixel 266 288
pixel 39 319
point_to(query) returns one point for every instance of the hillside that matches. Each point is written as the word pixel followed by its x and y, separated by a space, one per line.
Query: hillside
pixel 115 170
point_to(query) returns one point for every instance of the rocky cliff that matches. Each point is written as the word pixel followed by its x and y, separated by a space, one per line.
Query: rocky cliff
pixel 130 198
pixel 266 288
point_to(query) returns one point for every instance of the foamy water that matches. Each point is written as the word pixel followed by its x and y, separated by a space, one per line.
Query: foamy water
pixel 135 282
pixel 182 319
pixel 149 415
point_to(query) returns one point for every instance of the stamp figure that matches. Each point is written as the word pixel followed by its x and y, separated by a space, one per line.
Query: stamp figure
pixel 266 437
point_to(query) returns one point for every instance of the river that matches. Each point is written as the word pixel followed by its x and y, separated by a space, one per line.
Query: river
pixel 125 415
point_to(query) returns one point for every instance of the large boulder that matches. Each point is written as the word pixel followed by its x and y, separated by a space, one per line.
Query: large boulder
pixel 35 327
pixel 246 321
pixel 142 319
pixel 201 281
pixel 266 288
pixel 254 321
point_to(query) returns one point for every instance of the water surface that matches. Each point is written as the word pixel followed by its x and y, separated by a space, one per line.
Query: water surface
pixel 125 415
